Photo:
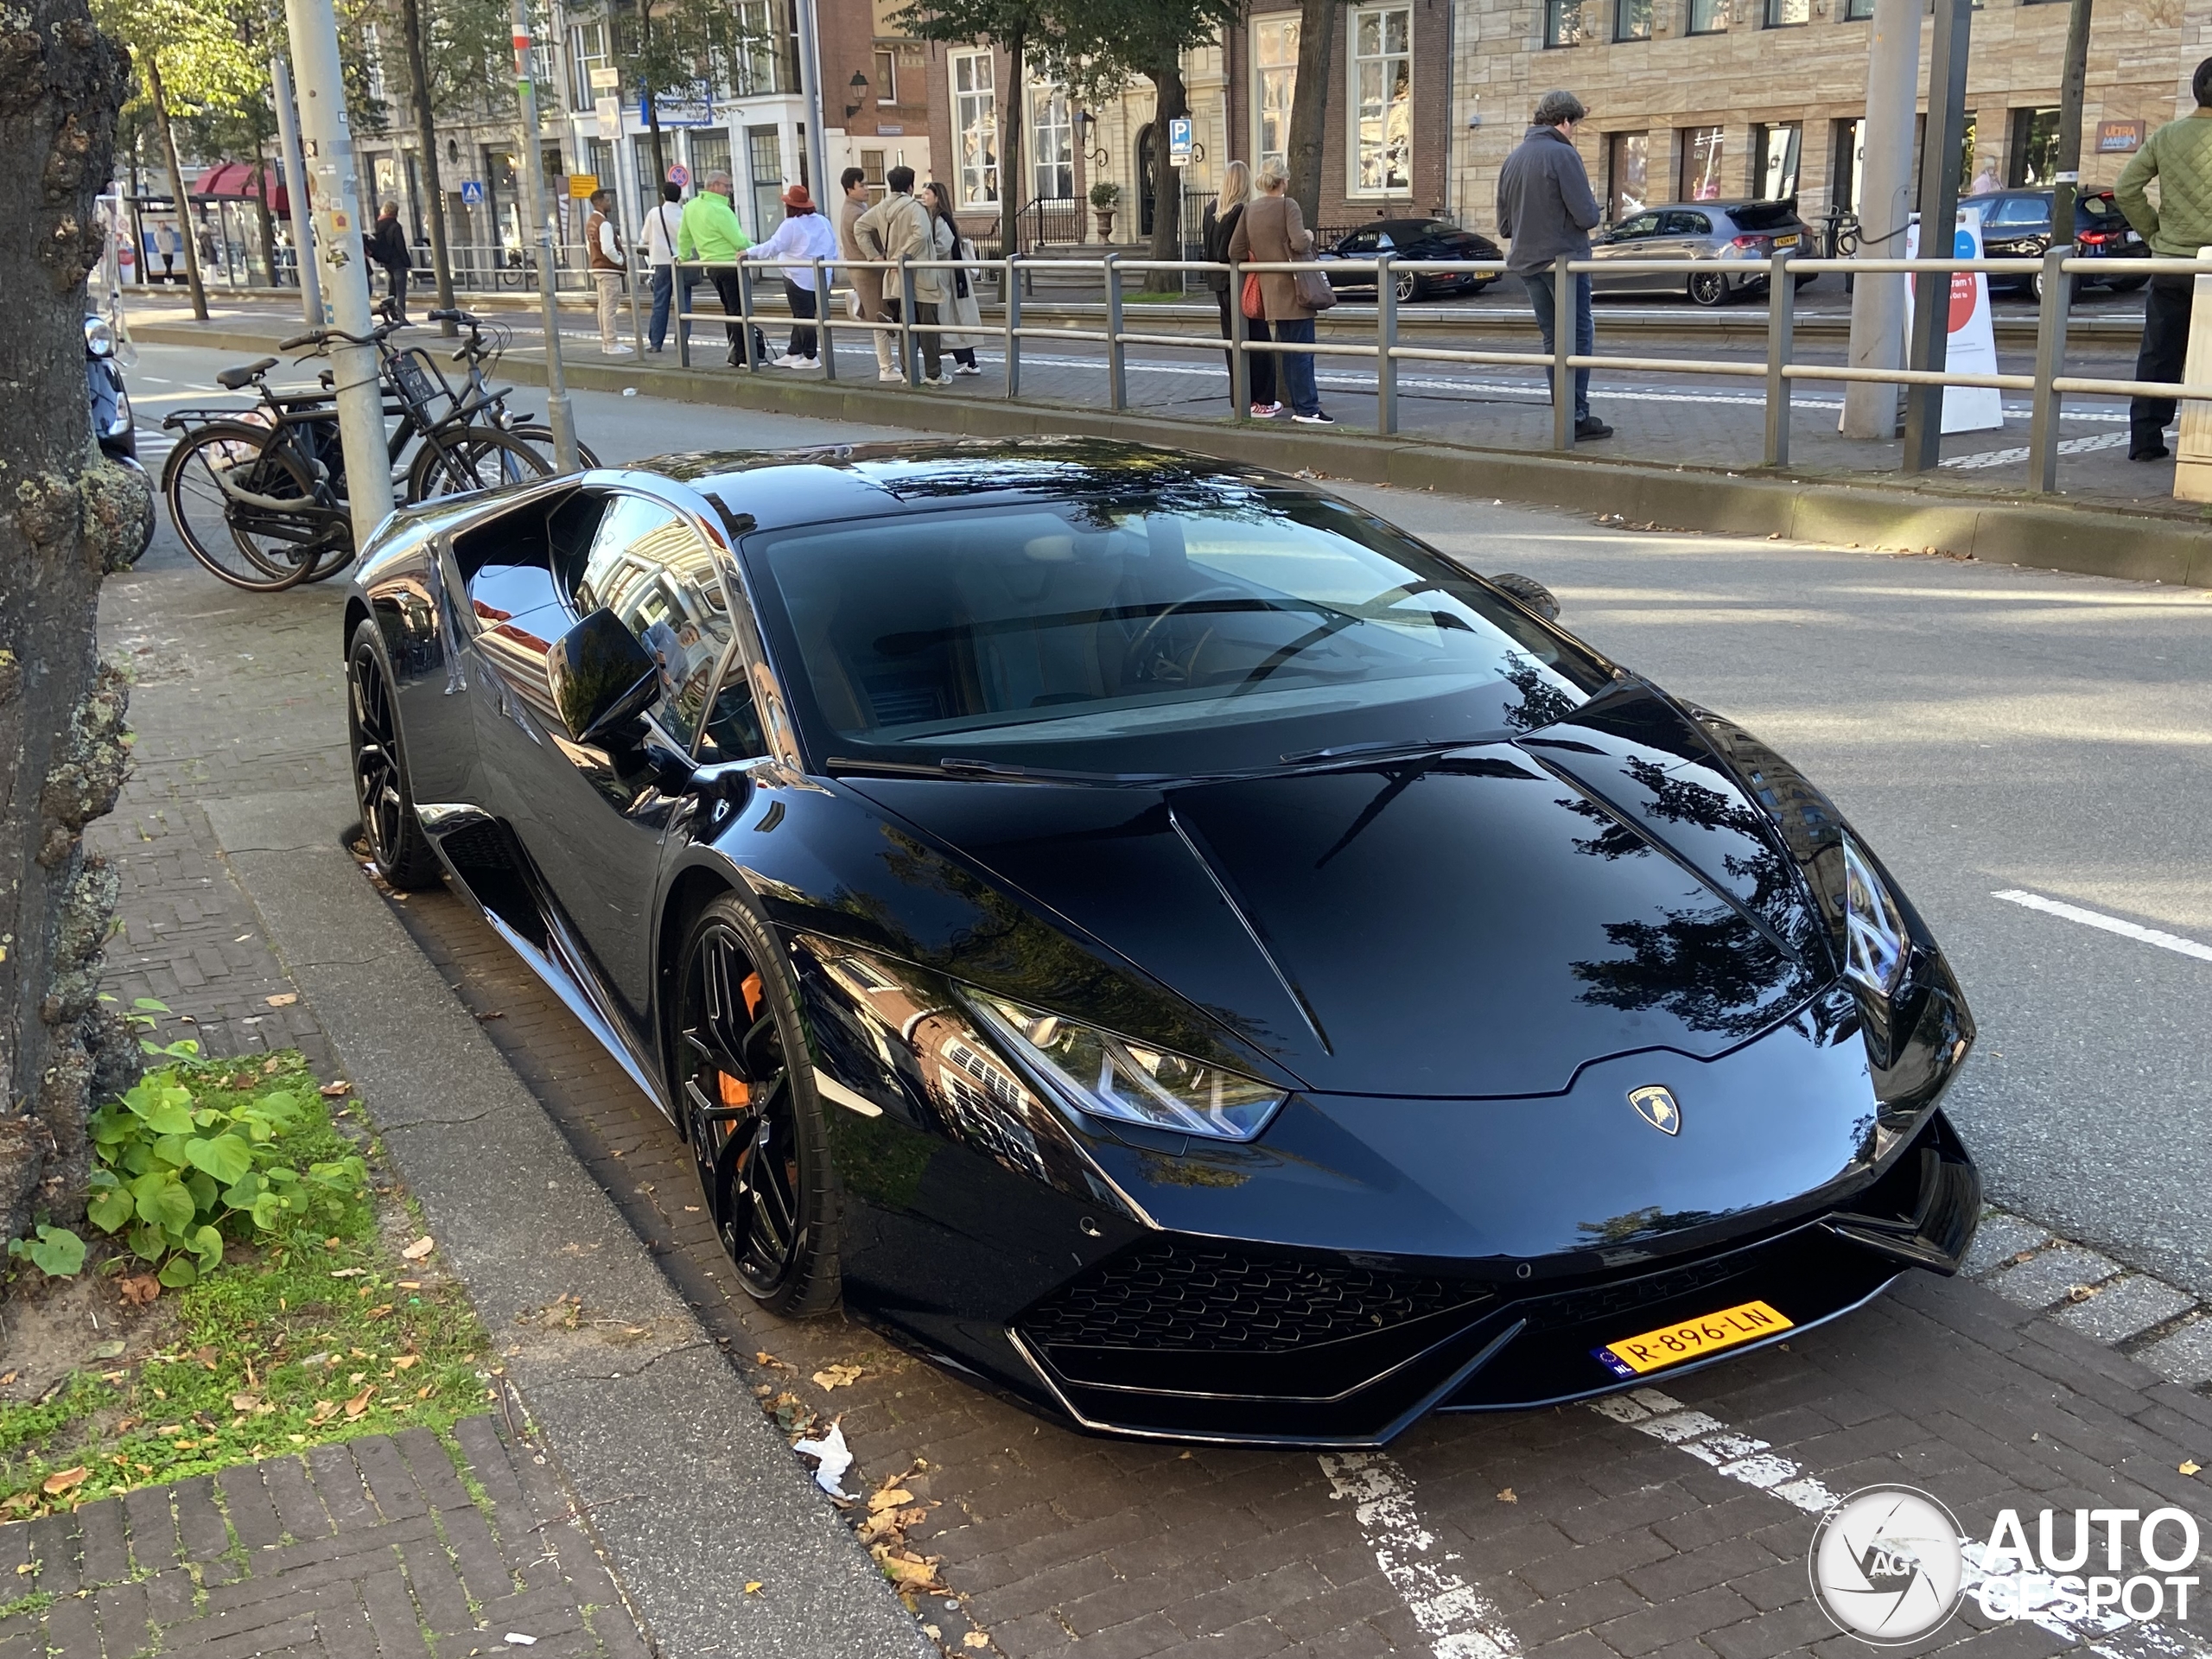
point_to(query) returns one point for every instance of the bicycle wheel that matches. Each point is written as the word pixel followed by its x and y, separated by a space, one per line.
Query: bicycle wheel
pixel 540 437
pixel 477 458
pixel 260 548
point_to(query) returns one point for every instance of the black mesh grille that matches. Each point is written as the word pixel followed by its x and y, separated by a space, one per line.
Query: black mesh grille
pixel 1167 1296
pixel 1603 1301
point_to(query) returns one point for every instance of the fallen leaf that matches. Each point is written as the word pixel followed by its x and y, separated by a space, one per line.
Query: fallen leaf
pixel 283 1000
pixel 243 1403
pixel 421 1248
pixel 348 1273
pixel 323 1412
pixel 2191 1466
pixel 890 1498
pixel 337 1091
pixel 906 1569
pixel 10 1378
pixel 360 1402
pixel 406 1361
pixel 64 1480
pixel 752 1586
pixel 837 1377
pixel 492 1013
pixel 974 1639
pixel 882 1524
pixel 1508 1496
pixel 767 1358
pixel 378 1313
pixel 2081 1293
pixel 411 1284
pixel 107 1350
pixel 139 1288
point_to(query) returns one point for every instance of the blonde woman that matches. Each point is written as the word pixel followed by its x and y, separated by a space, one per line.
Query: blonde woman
pixel 1271 231
pixel 1220 224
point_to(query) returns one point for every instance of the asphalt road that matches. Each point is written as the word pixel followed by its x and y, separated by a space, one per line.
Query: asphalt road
pixel 1989 729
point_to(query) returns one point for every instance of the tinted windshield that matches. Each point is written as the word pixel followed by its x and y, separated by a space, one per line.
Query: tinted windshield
pixel 1123 636
pixel 1765 216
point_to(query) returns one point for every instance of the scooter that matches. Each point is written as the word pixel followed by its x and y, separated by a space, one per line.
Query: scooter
pixel 113 428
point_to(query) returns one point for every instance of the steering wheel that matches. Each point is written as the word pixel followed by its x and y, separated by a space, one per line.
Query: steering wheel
pixel 1133 660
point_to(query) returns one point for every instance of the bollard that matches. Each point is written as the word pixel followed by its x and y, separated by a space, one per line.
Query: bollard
pixel 680 312
pixel 1117 377
pixel 745 315
pixel 1781 321
pixel 2050 362
pixel 1386 341
pixel 2193 458
pixel 1562 348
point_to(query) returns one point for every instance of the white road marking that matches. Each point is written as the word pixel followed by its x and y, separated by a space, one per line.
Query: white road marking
pixel 1458 1620
pixel 2134 931
pixel 1754 1463
pixel 2007 457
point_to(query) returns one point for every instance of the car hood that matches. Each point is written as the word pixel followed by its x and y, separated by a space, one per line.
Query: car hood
pixel 1483 922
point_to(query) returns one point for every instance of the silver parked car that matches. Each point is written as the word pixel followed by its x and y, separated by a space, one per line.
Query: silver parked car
pixel 1738 237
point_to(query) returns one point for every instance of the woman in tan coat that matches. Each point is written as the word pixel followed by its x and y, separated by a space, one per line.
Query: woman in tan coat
pixel 1272 231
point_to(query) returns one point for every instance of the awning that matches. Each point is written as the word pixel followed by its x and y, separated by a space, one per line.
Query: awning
pixel 243 181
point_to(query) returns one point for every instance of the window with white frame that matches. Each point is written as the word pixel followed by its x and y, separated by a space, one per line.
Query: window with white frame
pixel 974 129
pixel 887 75
pixel 587 50
pixel 1381 97
pixel 1275 83
pixel 1052 145
pixel 373 59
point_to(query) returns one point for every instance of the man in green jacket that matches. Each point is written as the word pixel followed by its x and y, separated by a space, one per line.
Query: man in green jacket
pixel 2179 156
pixel 709 231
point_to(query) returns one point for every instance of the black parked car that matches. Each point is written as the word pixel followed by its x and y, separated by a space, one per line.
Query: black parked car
pixel 1417 238
pixel 2016 225
pixel 1157 939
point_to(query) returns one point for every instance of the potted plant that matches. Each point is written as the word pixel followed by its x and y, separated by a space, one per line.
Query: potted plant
pixel 1105 197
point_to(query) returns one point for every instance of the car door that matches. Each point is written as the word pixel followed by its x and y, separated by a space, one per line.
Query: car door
pixel 1630 239
pixel 2016 228
pixel 591 817
pixel 1684 233
pixel 1360 245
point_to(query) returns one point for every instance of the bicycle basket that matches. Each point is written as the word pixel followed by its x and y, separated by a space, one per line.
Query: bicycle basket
pixel 418 377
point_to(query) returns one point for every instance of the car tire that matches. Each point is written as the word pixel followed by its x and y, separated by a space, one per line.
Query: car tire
pixel 2035 288
pixel 2125 284
pixel 398 845
pixel 1709 288
pixel 1529 593
pixel 1408 286
pixel 745 1088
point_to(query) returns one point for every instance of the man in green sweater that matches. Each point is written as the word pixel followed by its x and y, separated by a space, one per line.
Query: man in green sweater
pixel 709 231
pixel 2179 156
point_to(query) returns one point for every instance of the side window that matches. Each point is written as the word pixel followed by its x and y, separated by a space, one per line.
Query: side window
pixel 1357 242
pixel 1685 223
pixel 652 569
pixel 1642 226
pixel 733 729
pixel 2019 210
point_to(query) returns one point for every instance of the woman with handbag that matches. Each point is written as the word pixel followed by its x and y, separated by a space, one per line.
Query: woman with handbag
pixel 963 309
pixel 1220 224
pixel 1270 231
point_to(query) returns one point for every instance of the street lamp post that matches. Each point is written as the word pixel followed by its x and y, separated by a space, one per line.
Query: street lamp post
pixel 1940 163
pixel 295 191
pixel 559 415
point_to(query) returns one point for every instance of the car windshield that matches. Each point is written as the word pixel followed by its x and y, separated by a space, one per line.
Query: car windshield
pixel 1219 631
pixel 1765 216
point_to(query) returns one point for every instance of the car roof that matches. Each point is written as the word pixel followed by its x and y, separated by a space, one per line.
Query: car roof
pixel 1728 207
pixel 778 488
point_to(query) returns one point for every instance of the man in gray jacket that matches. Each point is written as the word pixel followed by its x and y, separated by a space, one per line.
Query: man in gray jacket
pixel 1545 206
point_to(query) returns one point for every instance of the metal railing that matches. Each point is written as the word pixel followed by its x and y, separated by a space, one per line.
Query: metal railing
pixel 2047 386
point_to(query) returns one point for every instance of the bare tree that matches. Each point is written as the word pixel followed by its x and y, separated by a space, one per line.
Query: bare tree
pixel 68 521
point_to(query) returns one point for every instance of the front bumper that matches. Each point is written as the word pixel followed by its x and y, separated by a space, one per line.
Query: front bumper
pixel 1181 1337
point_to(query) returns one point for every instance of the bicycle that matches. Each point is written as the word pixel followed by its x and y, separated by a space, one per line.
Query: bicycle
pixel 274 475
pixel 478 398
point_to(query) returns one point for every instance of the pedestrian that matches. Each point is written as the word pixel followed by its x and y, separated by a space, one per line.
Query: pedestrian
pixel 961 307
pixel 866 285
pixel 609 264
pixel 387 246
pixel 896 228
pixel 710 232
pixel 1545 206
pixel 1219 224
pixel 804 234
pixel 1271 231
pixel 168 242
pixel 1985 181
pixel 2179 156
pixel 661 228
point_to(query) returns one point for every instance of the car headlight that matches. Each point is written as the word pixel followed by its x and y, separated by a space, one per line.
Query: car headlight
pixel 99 338
pixel 1117 1078
pixel 1874 935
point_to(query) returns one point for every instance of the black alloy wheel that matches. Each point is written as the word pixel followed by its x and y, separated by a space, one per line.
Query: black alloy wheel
pixel 398 845
pixel 751 1112
pixel 1709 288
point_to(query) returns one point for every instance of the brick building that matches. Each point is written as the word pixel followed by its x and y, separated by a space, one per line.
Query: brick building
pixel 1694 99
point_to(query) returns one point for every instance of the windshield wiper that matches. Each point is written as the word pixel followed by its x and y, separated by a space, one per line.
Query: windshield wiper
pixel 1385 747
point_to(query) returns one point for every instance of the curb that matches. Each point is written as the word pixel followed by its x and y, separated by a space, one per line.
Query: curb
pixel 2051 535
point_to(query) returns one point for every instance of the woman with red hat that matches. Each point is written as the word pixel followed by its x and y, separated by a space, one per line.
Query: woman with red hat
pixel 805 235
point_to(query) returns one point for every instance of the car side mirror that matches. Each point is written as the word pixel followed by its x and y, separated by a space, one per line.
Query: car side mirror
pixel 601 677
pixel 1529 593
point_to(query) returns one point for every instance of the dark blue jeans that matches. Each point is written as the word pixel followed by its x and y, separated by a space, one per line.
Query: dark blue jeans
pixel 1541 301
pixel 664 292
pixel 1297 377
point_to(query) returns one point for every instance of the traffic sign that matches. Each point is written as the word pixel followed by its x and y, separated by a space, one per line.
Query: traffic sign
pixel 607 80
pixel 679 175
pixel 582 187
pixel 608 110
pixel 471 192
pixel 1179 142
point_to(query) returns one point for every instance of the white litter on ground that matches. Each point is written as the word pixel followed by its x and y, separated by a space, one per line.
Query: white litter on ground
pixel 832 1456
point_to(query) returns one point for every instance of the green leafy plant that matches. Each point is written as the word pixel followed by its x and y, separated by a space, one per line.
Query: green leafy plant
pixel 178 1170
pixel 1106 195
pixel 56 1251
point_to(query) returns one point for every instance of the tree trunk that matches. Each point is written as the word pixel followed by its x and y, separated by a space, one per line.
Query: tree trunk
pixel 68 520
pixel 426 139
pixel 1309 103
pixel 1171 102
pixel 1011 123
pixel 186 230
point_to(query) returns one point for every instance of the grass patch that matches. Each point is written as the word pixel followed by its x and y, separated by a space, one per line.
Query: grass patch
pixel 319 1333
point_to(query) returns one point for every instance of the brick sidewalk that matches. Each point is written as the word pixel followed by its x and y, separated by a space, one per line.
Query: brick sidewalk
pixel 371 1549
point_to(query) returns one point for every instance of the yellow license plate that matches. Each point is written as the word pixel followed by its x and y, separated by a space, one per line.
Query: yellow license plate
pixel 1671 1344
pixel 1785 241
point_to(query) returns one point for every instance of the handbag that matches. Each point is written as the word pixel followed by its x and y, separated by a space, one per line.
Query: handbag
pixel 1253 304
pixel 1313 290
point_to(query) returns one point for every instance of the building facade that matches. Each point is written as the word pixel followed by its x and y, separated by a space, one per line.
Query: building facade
pixel 1703 100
